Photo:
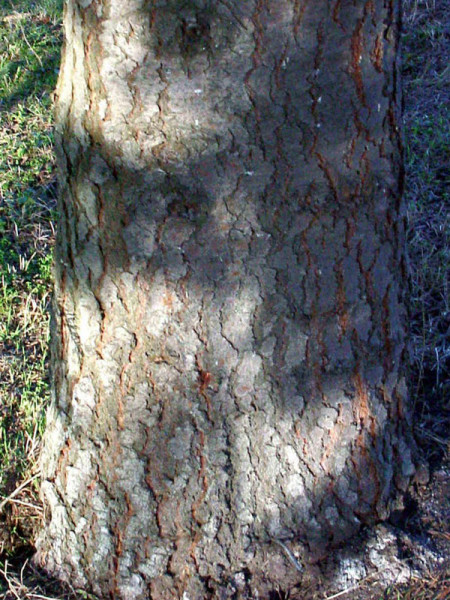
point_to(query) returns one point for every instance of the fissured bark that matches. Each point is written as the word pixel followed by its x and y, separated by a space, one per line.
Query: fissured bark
pixel 229 336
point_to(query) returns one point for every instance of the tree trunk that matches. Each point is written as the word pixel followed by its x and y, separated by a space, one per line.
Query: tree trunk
pixel 229 336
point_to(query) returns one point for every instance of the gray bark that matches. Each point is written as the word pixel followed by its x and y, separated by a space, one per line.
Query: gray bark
pixel 229 336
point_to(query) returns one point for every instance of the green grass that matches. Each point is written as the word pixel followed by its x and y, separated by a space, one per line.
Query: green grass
pixel 427 149
pixel 428 188
pixel 30 40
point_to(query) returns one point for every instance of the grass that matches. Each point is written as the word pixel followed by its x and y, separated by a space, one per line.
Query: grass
pixel 427 150
pixel 30 40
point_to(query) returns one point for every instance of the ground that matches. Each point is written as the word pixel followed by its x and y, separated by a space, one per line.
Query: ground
pixel 405 559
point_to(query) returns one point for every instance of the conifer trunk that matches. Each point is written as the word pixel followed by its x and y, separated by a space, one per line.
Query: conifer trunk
pixel 229 332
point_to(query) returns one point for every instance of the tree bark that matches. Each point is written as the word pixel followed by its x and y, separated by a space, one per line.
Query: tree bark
pixel 229 332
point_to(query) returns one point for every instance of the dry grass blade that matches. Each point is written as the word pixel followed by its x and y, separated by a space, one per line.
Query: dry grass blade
pixel 32 596
pixel 25 39
pixel 35 507
pixel 17 491
pixel 28 585
pixel 360 583
pixel 13 584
